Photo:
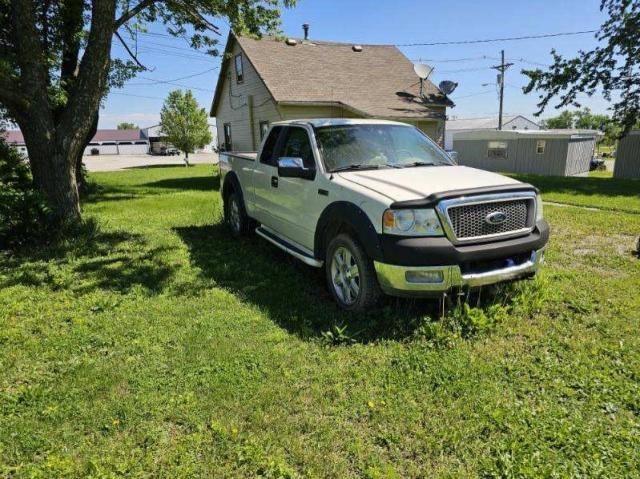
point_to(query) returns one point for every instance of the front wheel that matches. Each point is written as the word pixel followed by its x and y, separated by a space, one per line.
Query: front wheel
pixel 351 277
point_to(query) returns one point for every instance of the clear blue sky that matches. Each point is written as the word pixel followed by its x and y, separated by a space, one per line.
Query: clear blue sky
pixel 396 22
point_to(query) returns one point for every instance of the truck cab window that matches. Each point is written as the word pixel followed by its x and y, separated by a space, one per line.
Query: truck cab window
pixel 297 145
pixel 268 155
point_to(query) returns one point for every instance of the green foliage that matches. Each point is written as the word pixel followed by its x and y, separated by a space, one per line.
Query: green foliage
pixel 562 121
pixel 184 123
pixel 585 120
pixel 24 215
pixel 610 69
pixel 159 346
pixel 125 125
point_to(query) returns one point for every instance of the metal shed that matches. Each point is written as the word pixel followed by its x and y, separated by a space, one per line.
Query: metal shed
pixel 540 152
pixel 628 156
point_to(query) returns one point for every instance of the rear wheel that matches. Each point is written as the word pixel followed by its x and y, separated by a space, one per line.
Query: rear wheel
pixel 235 214
pixel 351 277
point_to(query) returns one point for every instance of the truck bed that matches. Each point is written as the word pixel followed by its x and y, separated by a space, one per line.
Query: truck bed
pixel 246 155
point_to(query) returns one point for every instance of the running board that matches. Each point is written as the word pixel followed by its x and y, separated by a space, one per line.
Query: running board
pixel 292 249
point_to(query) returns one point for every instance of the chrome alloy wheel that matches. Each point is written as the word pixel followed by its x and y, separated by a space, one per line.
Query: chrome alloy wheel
pixel 234 214
pixel 345 275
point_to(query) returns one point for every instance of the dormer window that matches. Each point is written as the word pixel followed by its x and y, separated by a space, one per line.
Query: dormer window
pixel 239 71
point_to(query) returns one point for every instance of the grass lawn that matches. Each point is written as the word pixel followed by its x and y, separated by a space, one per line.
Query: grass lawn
pixel 599 190
pixel 157 346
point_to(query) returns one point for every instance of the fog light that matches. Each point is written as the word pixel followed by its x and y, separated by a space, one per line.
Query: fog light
pixel 424 276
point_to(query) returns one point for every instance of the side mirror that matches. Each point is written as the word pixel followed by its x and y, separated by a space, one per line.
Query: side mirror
pixel 453 155
pixel 290 167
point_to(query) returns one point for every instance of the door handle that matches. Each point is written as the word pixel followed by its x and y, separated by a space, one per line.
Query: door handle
pixel 274 181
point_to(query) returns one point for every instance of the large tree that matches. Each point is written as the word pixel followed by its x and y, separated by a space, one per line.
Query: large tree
pixel 56 67
pixel 184 123
pixel 611 69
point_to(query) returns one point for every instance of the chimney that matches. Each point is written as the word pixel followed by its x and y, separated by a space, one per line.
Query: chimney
pixel 305 27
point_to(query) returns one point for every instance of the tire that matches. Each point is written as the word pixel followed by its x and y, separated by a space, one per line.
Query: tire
pixel 353 290
pixel 235 215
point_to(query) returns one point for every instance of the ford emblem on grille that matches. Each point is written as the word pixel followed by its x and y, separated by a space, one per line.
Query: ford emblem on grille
pixel 496 218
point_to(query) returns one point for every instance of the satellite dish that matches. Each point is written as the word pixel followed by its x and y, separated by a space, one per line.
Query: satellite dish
pixel 423 71
pixel 447 86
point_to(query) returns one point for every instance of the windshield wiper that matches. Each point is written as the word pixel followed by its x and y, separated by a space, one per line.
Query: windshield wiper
pixel 420 163
pixel 355 166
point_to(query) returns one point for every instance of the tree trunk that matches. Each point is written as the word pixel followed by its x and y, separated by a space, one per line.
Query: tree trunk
pixel 55 178
pixel 186 158
pixel 81 179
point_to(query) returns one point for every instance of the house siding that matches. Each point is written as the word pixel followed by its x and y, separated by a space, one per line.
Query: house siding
pixel 235 106
pixel 627 163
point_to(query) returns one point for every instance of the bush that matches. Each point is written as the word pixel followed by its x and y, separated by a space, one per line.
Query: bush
pixel 24 215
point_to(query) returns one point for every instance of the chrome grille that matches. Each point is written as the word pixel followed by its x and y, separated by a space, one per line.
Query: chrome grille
pixel 469 220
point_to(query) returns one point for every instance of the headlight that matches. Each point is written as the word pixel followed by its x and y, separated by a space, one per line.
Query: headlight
pixel 411 223
pixel 539 215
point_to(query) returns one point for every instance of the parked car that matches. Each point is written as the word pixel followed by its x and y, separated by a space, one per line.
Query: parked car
pixel 383 209
pixel 597 164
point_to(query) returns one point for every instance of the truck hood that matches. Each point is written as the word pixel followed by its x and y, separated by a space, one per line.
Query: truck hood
pixel 406 184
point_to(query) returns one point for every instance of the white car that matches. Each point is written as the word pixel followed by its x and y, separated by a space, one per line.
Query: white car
pixel 383 209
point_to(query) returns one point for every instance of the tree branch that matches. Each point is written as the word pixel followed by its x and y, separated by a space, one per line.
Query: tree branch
pixel 129 14
pixel 126 47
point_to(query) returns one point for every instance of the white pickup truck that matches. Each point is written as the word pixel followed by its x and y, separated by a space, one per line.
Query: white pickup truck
pixel 383 209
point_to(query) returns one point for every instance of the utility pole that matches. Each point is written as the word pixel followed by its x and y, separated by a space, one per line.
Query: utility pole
pixel 501 68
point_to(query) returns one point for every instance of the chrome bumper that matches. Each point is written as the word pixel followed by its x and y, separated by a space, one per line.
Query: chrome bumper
pixel 393 279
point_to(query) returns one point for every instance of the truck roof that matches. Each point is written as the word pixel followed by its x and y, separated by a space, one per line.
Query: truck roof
pixel 318 122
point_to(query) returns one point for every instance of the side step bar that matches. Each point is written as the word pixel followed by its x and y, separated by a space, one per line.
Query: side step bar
pixel 290 248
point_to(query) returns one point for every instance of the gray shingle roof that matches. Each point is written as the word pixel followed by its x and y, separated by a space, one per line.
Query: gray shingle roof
pixel 378 81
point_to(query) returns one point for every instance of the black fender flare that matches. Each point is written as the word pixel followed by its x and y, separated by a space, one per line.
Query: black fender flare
pixel 231 182
pixel 344 213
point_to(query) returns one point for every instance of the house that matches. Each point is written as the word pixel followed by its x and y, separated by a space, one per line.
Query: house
pixel 105 142
pixel 273 79
pixel 509 122
pixel 540 152
pixel 627 164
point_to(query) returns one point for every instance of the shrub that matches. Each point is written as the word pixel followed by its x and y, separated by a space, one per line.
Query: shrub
pixel 24 215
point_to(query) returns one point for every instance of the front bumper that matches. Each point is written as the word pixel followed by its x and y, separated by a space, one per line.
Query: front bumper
pixel 434 280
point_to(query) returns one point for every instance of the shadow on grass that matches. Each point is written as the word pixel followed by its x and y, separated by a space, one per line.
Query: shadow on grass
pixel 293 294
pixel 90 259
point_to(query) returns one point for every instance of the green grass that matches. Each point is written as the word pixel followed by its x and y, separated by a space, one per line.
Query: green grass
pixel 598 191
pixel 157 346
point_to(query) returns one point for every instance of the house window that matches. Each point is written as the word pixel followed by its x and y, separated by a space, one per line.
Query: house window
pixel 239 71
pixel 497 150
pixel 264 128
pixel 540 146
pixel 228 145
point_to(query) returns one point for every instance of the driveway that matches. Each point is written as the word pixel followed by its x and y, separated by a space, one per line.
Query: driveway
pixel 120 162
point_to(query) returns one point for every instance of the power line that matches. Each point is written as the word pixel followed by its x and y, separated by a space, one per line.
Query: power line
pixel 507 39
pixel 473 94
pixel 463 70
pixel 208 70
pixel 451 60
pixel 137 96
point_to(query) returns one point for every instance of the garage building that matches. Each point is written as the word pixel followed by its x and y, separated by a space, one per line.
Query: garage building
pixel 118 142
pixel 541 152
pixel 627 163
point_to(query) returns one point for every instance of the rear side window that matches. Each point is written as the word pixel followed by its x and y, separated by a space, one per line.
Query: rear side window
pixel 268 156
pixel 297 145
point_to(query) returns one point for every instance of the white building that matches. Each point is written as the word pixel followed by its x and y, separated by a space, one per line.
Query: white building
pixel 509 122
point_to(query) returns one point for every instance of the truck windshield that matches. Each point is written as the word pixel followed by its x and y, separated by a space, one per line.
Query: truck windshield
pixel 345 147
